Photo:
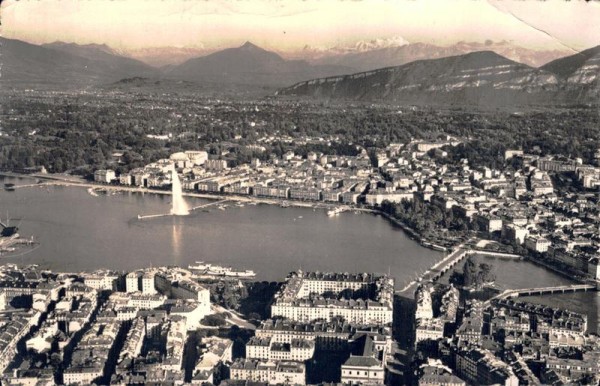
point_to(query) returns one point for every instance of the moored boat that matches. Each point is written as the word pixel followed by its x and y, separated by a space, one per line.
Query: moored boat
pixel 334 212
pixel 217 270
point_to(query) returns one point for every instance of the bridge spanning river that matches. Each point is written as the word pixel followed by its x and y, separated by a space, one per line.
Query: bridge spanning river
pixel 441 267
pixel 515 293
pixel 438 269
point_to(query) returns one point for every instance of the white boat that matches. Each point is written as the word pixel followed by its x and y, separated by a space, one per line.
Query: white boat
pixel 199 266
pixel 334 212
pixel 217 270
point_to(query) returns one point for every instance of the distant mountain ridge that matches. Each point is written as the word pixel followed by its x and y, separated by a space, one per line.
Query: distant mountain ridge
pixel 82 49
pixel 250 64
pixel 74 65
pixel 165 56
pixel 65 64
pixel 480 78
pixel 398 54
pixel 362 55
pixel 311 53
pixel 483 77
pixel 567 66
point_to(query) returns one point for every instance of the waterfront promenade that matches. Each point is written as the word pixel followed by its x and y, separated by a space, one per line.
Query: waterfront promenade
pixel 65 180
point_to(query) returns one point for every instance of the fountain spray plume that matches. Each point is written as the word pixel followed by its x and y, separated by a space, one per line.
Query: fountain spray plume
pixel 180 207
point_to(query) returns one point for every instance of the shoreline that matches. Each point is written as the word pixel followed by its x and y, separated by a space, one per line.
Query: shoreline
pixel 59 180
pixel 64 180
pixel 48 180
pixel 412 234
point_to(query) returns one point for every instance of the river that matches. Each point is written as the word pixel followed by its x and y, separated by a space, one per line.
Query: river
pixel 513 273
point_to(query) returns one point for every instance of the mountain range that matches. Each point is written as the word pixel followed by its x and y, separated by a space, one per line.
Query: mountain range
pixel 482 77
pixel 380 56
pixel 249 64
pixel 165 56
pixel 65 64
pixel 363 55
pixel 85 65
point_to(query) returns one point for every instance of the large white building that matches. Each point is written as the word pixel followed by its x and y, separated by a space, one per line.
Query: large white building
pixel 148 283
pixel 197 157
pixel 357 298
pixel 282 372
pixel 176 285
pixel 274 349
pixel 424 304
pixel 132 281
pixel 101 280
pixel 538 244
pixel 366 364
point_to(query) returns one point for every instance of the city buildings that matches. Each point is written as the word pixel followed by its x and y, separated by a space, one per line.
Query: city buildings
pixel 369 298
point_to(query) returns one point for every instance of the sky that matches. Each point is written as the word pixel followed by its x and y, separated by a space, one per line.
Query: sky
pixel 289 25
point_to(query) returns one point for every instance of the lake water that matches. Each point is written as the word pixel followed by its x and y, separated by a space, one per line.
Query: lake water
pixel 514 273
pixel 78 231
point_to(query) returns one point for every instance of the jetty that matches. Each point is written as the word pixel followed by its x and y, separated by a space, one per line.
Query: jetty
pixel 209 204
pixel 203 206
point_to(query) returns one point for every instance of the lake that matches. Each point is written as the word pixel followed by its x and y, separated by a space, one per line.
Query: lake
pixel 78 231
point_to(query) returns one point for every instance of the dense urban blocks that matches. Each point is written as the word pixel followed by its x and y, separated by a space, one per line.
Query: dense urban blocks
pixel 357 298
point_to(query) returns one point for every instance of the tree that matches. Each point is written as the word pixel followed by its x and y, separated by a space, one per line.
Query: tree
pixel 214 320
pixel 469 272
pixel 485 274
pixel 456 278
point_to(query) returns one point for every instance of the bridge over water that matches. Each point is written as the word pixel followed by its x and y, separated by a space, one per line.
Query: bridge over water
pixel 437 270
pixel 515 293
pixel 441 267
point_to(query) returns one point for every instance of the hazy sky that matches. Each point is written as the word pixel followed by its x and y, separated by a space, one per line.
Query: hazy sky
pixel 289 25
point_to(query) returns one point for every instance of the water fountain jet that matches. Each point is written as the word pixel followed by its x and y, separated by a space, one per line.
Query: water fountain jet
pixel 180 207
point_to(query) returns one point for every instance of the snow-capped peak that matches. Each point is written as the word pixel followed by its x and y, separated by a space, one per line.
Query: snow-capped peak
pixel 355 47
pixel 375 44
